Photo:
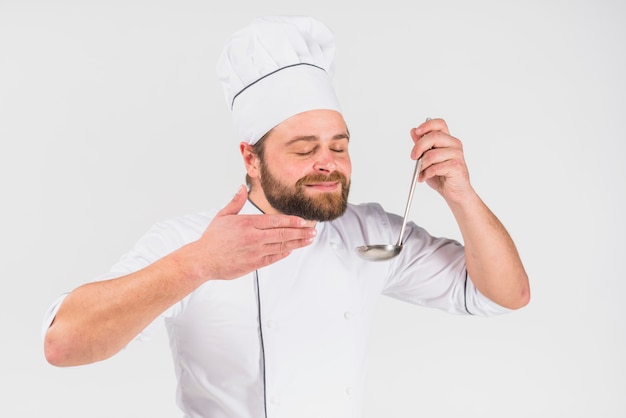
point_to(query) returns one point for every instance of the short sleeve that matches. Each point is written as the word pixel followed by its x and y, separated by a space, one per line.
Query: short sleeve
pixel 160 240
pixel 431 271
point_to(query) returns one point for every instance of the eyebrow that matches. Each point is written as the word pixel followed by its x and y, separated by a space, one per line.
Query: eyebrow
pixel 312 138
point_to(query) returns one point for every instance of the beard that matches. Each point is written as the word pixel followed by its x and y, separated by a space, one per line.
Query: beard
pixel 294 201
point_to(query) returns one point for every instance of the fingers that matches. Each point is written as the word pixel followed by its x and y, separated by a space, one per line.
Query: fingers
pixel 270 234
pixel 280 221
pixel 429 135
pixel 278 233
pixel 441 153
pixel 286 239
pixel 441 162
pixel 263 221
pixel 240 243
pixel 233 245
pixel 278 251
pixel 262 247
pixel 428 126
pixel 284 248
pixel 236 203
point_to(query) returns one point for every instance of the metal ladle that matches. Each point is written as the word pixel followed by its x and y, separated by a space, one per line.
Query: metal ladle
pixel 383 252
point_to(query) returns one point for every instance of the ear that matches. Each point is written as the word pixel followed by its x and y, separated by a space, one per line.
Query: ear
pixel 250 160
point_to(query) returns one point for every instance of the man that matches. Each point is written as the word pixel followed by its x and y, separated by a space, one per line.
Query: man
pixel 266 302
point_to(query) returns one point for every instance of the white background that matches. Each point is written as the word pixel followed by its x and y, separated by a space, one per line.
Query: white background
pixel 111 118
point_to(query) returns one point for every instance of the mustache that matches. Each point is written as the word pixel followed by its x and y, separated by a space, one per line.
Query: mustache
pixel 320 178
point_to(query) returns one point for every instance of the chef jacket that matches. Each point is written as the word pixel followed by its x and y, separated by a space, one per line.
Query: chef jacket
pixel 290 339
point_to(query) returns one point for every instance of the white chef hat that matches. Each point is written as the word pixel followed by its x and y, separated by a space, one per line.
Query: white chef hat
pixel 275 68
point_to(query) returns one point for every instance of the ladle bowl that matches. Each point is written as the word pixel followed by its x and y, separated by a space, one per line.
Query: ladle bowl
pixel 382 252
pixel 379 252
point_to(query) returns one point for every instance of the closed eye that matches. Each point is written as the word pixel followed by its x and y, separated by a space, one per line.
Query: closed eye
pixel 305 153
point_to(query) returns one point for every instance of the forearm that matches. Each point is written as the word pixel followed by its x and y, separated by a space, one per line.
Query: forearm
pixel 493 262
pixel 98 319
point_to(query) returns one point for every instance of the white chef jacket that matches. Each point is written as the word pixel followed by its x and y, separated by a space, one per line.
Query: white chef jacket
pixel 290 339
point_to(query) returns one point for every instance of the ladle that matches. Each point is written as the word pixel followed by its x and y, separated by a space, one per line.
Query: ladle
pixel 381 252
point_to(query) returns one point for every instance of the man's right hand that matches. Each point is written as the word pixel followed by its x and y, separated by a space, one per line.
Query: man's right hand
pixel 234 245
pixel 99 318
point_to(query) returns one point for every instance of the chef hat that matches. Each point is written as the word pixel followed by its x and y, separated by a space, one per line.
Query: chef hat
pixel 275 68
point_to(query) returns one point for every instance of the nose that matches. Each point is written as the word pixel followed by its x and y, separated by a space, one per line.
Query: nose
pixel 325 162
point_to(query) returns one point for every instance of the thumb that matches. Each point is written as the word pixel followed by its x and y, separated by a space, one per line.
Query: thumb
pixel 236 203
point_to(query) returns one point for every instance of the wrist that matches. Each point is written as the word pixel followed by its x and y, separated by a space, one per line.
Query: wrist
pixel 187 269
pixel 463 200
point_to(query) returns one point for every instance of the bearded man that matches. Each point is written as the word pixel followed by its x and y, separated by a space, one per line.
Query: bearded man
pixel 266 302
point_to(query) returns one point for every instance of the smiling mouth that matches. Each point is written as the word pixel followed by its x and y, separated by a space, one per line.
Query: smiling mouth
pixel 323 186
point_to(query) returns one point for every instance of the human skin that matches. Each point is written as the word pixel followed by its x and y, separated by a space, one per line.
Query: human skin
pixel 317 142
pixel 492 260
pixel 312 144
pixel 98 319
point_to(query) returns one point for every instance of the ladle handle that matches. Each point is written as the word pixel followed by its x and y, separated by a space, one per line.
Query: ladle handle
pixel 418 168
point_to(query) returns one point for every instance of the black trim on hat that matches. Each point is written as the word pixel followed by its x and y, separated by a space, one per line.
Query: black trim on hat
pixel 267 75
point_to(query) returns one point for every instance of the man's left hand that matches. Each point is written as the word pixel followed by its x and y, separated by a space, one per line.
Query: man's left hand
pixel 443 163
